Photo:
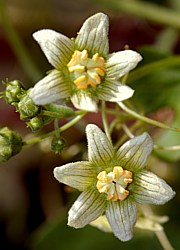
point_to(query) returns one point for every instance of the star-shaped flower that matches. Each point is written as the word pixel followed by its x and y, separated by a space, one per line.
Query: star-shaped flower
pixel 112 182
pixel 84 70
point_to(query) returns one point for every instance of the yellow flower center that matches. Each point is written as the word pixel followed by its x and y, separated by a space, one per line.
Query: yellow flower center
pixel 114 183
pixel 87 71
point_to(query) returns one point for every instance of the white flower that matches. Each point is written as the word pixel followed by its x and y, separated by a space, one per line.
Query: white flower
pixel 112 182
pixel 84 70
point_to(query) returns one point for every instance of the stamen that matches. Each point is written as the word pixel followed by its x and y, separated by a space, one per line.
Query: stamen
pixel 114 184
pixel 87 71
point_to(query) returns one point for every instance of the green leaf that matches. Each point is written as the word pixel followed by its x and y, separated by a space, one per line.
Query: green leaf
pixel 157 85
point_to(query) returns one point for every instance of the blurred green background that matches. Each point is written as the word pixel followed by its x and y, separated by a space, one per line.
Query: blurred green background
pixel 33 205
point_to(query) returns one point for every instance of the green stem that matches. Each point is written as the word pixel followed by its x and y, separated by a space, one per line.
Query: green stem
pixel 105 120
pixel 146 119
pixel 17 45
pixel 169 148
pixel 56 127
pixel 146 10
pixel 59 130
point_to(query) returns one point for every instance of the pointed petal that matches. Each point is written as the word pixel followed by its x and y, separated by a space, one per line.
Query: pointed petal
pixel 134 153
pixel 114 92
pixel 100 150
pixel 57 48
pixel 88 207
pixel 84 101
pixel 122 216
pixel 120 63
pixel 51 88
pixel 79 175
pixel 149 188
pixel 93 36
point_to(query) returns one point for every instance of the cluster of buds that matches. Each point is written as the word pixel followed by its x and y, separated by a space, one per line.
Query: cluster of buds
pixel 33 114
pixel 10 144
pixel 17 96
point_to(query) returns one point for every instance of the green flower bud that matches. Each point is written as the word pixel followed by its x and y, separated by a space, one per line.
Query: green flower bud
pixel 27 108
pixel 60 111
pixel 36 124
pixel 10 144
pixel 13 91
pixel 58 144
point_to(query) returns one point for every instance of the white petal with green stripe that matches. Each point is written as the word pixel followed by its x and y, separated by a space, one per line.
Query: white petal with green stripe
pixel 79 175
pixel 120 63
pixel 57 48
pixel 134 153
pixel 84 101
pixel 88 207
pixel 148 188
pixel 93 36
pixel 114 92
pixel 50 89
pixel 100 150
pixel 122 216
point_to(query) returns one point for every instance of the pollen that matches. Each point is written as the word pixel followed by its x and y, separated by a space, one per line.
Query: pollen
pixel 115 183
pixel 86 71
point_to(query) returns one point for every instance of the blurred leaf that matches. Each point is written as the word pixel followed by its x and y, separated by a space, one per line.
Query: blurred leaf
pixel 160 89
pixel 59 236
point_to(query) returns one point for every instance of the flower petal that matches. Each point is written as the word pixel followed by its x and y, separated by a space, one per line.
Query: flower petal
pixel 114 92
pixel 122 216
pixel 88 207
pixel 134 153
pixel 93 35
pixel 149 188
pixel 79 175
pixel 100 150
pixel 50 89
pixel 57 48
pixel 84 101
pixel 120 63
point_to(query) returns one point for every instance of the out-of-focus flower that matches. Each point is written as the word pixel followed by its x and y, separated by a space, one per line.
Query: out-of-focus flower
pixel 84 70
pixel 113 182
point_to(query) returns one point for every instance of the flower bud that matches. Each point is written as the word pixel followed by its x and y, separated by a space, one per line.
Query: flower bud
pixel 13 91
pixel 10 144
pixel 36 124
pixel 27 108
pixel 58 144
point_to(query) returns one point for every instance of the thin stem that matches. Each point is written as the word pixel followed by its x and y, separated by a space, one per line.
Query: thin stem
pixel 133 127
pixel 127 131
pixel 59 130
pixel 146 10
pixel 105 121
pixel 146 119
pixel 17 45
pixel 169 148
pixel 56 127
pixel 161 235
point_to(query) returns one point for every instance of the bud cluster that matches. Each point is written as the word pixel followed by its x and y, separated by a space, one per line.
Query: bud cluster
pixel 17 96
pixel 10 144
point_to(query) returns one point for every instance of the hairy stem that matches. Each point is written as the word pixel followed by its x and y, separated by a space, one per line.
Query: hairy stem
pixel 146 119
pixel 105 121
pixel 59 130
